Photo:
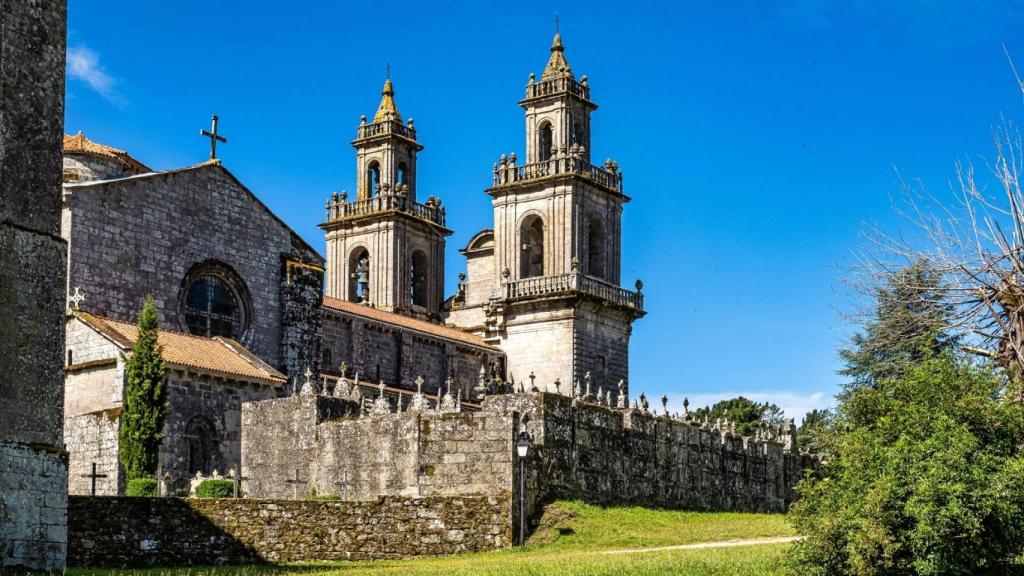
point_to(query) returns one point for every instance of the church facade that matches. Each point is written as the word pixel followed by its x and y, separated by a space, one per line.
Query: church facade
pixel 539 305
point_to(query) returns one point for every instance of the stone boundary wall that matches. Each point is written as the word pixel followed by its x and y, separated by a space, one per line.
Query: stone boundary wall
pixel 139 532
pixel 291 446
pixel 604 455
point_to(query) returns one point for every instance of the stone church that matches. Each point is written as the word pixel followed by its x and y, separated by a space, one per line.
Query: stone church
pixel 248 310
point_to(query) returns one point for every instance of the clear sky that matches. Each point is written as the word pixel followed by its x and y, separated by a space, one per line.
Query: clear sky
pixel 756 138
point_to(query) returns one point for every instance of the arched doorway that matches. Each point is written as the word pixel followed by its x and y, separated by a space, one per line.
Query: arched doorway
pixel 203 445
pixel 531 235
pixel 359 275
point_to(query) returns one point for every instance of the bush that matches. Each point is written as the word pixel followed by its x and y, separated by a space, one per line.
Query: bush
pixel 141 487
pixel 215 489
pixel 932 483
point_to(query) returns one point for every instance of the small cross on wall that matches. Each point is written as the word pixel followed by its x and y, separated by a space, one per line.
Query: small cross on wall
pixel 76 298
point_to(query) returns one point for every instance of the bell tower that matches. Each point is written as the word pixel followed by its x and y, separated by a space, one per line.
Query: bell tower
pixel 385 249
pixel 557 309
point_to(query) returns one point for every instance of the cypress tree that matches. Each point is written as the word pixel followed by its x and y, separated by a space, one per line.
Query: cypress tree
pixel 145 400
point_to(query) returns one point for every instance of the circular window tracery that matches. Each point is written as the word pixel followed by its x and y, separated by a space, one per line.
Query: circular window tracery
pixel 214 302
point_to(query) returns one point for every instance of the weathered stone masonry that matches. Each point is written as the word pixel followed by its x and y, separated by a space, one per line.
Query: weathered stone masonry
pixel 33 469
pixel 112 532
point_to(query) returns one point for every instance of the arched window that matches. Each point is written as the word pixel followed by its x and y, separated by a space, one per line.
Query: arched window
pixel 326 359
pixel 359 275
pixel 531 234
pixel 595 248
pixel 545 141
pixel 203 445
pixel 403 174
pixel 214 301
pixel 372 179
pixel 418 278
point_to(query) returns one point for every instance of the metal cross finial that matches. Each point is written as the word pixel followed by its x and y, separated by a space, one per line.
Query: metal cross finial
pixel 388 66
pixel 557 22
pixel 214 137
pixel 76 298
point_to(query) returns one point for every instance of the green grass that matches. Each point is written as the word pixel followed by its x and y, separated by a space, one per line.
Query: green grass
pixel 571 541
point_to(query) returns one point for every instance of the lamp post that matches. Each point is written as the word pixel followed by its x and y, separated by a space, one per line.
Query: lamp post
pixel 523 450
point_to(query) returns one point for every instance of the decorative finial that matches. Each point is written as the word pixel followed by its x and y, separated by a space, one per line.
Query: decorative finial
pixel 214 137
pixel 558 21
pixel 388 67
pixel 76 298
pixel 343 369
pixel 419 384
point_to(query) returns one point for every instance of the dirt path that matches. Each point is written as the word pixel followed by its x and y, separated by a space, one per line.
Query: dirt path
pixel 722 544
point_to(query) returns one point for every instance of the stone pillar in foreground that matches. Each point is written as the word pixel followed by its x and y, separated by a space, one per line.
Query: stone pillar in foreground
pixel 33 269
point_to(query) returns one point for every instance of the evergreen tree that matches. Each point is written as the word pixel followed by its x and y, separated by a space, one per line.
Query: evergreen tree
pixel 746 413
pixel 909 321
pixel 145 400
pixel 809 434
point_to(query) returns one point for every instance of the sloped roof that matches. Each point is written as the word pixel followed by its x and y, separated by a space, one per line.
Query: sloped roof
pixel 218 355
pixel 406 322
pixel 79 144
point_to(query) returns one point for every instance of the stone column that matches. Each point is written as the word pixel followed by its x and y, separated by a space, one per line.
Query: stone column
pixel 33 270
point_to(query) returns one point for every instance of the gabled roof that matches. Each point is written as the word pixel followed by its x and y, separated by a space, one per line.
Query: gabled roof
pixel 209 164
pixel 406 322
pixel 220 356
pixel 79 144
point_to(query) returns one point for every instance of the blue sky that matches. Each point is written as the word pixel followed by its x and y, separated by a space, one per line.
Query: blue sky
pixel 756 138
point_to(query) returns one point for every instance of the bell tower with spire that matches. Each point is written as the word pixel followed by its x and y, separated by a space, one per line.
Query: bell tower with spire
pixel 385 248
pixel 555 306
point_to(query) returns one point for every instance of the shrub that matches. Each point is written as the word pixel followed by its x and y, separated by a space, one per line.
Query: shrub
pixel 215 489
pixel 932 484
pixel 141 487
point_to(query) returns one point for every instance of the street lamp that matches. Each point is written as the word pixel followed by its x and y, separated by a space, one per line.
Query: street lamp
pixel 523 450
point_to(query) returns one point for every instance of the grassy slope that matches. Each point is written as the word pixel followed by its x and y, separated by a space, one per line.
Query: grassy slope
pixel 570 542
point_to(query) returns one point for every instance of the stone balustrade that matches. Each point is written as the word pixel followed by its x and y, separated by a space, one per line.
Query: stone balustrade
pixel 572 282
pixel 507 172
pixel 557 86
pixel 339 209
pixel 386 127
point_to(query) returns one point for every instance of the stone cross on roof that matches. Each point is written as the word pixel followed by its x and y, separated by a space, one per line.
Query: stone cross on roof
pixel 214 137
pixel 76 298
pixel 419 384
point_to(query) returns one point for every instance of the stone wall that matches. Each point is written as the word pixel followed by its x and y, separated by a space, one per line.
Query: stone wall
pixel 116 532
pixel 291 446
pixel 604 455
pixel 131 237
pixel 33 469
pixel 93 438
pixel 382 351
pixel 302 281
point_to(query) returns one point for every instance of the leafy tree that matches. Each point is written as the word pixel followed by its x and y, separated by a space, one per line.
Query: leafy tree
pixel 746 413
pixel 145 400
pixel 908 321
pixel 809 435
pixel 934 484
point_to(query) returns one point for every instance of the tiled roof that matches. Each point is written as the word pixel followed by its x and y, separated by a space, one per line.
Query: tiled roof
pixel 406 322
pixel 218 355
pixel 79 144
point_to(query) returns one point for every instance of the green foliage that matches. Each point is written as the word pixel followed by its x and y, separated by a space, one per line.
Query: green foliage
pixel 215 489
pixel 932 484
pixel 746 413
pixel 140 487
pixel 145 400
pixel 809 436
pixel 908 322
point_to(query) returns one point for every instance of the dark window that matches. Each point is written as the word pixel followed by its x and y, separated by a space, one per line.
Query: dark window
pixel 545 142
pixel 600 372
pixel 327 362
pixel 373 179
pixel 359 276
pixel 418 275
pixel 532 258
pixel 211 307
pixel 70 361
pixel 201 439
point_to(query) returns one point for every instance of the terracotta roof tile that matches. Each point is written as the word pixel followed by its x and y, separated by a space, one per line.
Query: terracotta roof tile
pixel 79 144
pixel 218 355
pixel 406 322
